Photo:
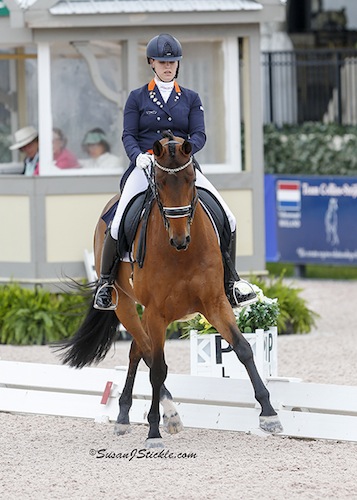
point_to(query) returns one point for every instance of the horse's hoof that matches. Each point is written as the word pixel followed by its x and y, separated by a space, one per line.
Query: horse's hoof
pixel 172 423
pixel 154 443
pixel 270 424
pixel 121 429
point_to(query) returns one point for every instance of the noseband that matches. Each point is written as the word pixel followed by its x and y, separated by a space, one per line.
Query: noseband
pixel 173 170
pixel 172 212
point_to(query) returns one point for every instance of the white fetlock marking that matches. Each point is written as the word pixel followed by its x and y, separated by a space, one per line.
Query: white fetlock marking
pixel 171 418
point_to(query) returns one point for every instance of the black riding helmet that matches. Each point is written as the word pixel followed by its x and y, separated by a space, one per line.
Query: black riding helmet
pixel 164 47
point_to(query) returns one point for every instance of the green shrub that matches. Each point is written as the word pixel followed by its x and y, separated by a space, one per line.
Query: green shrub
pixel 295 316
pixel 37 316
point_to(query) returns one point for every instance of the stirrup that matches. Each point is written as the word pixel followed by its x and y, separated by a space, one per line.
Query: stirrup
pixel 111 306
pixel 243 294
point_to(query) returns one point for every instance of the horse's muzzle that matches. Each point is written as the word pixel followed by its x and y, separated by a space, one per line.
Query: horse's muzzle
pixel 180 244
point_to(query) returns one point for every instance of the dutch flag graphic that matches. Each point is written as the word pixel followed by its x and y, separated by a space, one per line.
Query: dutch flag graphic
pixel 288 196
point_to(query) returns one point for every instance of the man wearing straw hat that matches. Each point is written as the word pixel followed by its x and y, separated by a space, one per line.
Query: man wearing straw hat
pixel 26 140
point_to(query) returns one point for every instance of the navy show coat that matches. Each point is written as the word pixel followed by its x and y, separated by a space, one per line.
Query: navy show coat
pixel 146 116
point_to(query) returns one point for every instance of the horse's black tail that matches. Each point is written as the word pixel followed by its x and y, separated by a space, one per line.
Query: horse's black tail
pixel 92 340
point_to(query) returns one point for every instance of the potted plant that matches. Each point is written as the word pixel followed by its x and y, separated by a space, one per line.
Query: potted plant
pixel 262 315
pixel 212 356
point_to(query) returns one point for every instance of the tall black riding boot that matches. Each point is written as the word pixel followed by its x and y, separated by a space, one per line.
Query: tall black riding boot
pixel 103 296
pixel 239 292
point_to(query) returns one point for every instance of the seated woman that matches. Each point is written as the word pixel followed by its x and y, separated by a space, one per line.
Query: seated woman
pixel 62 157
pixel 96 145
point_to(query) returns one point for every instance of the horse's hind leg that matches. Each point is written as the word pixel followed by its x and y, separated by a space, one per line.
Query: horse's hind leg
pixel 171 418
pixel 172 421
pixel 122 425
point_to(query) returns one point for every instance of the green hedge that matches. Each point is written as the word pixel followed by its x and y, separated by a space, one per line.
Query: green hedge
pixel 310 149
pixel 295 315
pixel 37 316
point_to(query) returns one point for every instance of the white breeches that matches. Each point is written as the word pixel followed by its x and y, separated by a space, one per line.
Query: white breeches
pixel 137 183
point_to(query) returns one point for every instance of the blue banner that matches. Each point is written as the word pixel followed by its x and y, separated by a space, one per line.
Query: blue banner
pixel 311 219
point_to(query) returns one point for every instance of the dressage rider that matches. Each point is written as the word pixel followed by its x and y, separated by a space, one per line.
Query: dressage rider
pixel 157 106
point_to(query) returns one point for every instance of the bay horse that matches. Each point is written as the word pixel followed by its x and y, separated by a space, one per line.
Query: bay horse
pixel 182 274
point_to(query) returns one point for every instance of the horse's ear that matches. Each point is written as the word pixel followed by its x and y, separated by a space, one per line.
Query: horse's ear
pixel 157 148
pixel 186 148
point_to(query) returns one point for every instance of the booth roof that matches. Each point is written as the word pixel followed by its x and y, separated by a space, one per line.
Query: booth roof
pixel 64 7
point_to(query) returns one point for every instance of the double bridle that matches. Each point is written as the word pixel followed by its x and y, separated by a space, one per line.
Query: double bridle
pixel 172 212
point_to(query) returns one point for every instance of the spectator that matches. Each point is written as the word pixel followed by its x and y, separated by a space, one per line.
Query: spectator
pixel 26 140
pixel 62 157
pixel 96 145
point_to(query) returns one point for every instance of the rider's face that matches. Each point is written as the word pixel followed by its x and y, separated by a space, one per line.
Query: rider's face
pixel 165 70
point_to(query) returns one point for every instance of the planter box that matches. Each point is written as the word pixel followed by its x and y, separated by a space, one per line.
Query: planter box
pixel 212 356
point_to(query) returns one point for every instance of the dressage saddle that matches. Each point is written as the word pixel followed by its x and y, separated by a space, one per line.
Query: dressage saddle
pixel 139 210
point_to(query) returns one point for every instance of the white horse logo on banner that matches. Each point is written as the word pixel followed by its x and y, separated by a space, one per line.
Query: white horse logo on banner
pixel 331 222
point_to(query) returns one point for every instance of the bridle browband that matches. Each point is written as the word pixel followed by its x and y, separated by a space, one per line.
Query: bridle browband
pixel 173 170
pixel 172 212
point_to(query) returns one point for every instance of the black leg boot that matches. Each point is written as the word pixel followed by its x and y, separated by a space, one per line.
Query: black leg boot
pixel 239 292
pixel 103 296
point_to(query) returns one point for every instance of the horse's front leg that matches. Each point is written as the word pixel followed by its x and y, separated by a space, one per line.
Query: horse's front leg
pixel 226 326
pixel 268 419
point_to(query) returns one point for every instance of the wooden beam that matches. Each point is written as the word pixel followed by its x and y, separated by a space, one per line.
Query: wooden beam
pixel 17 57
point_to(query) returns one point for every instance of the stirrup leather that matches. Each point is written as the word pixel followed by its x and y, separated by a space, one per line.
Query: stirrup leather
pixel 243 293
pixel 112 306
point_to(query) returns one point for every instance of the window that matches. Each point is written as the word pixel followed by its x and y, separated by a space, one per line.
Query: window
pixel 90 81
pixel 93 72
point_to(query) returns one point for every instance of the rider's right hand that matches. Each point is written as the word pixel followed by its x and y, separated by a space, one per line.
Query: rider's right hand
pixel 143 161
